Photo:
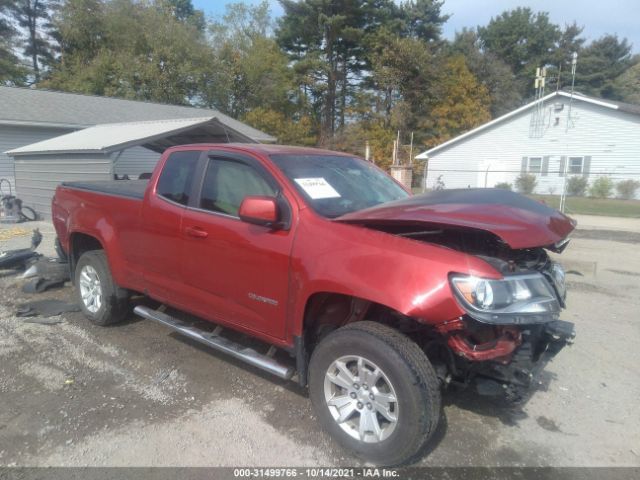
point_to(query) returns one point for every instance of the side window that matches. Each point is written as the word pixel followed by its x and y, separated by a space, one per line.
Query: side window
pixel 176 178
pixel 535 164
pixel 575 164
pixel 227 182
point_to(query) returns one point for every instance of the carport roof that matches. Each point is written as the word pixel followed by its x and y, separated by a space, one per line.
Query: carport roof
pixel 155 135
pixel 47 108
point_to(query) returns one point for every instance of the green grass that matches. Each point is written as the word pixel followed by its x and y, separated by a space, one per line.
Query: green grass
pixel 611 207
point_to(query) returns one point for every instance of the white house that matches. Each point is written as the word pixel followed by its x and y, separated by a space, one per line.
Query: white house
pixel 577 134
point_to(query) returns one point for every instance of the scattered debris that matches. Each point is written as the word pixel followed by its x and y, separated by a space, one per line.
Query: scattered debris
pixel 46 308
pixel 14 259
pixel 32 271
pixel 45 273
pixel 40 284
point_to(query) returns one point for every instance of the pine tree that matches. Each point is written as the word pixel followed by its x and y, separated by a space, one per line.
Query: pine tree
pixel 34 16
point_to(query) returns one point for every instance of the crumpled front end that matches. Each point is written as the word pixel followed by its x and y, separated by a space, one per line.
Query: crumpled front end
pixel 501 360
pixel 511 323
pixel 516 375
pixel 511 328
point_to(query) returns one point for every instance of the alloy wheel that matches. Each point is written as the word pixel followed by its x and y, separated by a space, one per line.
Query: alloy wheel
pixel 90 289
pixel 361 399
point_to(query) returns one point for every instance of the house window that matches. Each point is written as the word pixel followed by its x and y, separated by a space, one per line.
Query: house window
pixel 576 165
pixel 534 165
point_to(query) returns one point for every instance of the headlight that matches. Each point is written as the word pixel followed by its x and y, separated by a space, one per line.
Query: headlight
pixel 513 299
pixel 558 275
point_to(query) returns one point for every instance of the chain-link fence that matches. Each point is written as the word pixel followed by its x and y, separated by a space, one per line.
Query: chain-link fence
pixel 575 178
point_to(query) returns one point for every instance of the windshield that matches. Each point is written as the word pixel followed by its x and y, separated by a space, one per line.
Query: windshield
pixel 335 185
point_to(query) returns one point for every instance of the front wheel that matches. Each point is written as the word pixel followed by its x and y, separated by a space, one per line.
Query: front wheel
pixel 374 390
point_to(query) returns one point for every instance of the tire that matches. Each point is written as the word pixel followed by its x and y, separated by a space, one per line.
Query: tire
pixel 110 302
pixel 407 376
pixel 28 214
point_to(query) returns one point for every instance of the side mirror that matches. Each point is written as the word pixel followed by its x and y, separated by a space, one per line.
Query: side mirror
pixel 260 210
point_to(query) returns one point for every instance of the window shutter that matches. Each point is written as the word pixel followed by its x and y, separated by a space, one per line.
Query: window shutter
pixel 523 165
pixel 545 166
pixel 586 166
pixel 563 163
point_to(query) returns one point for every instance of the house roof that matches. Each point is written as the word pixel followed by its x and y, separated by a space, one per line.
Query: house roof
pixel 47 108
pixel 620 106
pixel 155 135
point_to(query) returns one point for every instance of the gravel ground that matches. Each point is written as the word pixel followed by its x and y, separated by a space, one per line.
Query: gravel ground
pixel 74 394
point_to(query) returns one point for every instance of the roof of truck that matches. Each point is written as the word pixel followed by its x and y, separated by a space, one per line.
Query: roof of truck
pixel 267 149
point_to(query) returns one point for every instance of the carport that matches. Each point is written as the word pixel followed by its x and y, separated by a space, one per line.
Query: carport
pixel 96 153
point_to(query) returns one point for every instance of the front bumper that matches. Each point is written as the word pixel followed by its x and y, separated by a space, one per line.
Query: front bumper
pixel 514 378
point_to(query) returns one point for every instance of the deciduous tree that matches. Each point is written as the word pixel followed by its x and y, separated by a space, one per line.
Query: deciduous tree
pixel 489 71
pixel 462 103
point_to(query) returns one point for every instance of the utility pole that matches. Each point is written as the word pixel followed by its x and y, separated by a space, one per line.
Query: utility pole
pixel 563 197
pixel 411 151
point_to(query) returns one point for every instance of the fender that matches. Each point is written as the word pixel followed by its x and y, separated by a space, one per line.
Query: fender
pixel 103 224
pixel 406 275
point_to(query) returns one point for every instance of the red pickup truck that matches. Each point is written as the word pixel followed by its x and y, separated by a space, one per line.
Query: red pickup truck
pixel 373 298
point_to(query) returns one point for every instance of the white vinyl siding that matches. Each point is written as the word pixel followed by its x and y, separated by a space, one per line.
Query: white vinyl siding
pixel 607 140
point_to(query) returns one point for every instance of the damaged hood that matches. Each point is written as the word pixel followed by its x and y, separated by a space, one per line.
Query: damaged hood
pixel 518 221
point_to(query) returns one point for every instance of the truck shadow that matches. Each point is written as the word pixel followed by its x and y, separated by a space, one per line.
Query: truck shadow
pixel 508 412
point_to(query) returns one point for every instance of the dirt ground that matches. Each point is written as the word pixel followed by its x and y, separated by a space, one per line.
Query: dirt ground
pixel 73 394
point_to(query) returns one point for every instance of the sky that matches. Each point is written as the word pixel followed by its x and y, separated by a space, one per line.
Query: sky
pixel 621 17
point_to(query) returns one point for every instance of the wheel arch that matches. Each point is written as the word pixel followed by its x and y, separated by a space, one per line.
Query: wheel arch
pixel 326 311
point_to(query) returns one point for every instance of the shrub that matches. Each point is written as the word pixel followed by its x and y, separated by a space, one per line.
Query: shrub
pixel 503 185
pixel 577 186
pixel 601 187
pixel 627 189
pixel 526 183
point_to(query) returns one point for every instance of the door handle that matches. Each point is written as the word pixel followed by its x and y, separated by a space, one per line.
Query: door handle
pixel 196 232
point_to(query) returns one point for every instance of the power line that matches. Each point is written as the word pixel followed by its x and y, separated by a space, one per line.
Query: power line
pixel 557 172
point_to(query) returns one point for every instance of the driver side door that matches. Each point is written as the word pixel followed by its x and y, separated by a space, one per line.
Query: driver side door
pixel 236 272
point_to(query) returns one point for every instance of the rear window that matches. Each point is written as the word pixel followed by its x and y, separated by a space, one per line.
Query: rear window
pixel 176 180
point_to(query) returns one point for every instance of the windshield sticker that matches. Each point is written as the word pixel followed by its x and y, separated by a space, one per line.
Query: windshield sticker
pixel 317 188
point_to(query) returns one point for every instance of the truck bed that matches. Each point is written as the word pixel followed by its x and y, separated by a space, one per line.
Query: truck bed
pixel 121 188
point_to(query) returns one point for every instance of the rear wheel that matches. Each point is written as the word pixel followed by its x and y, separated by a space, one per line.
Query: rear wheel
pixel 375 391
pixel 100 299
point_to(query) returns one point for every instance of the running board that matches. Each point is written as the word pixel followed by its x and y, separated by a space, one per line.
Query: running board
pixel 217 342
